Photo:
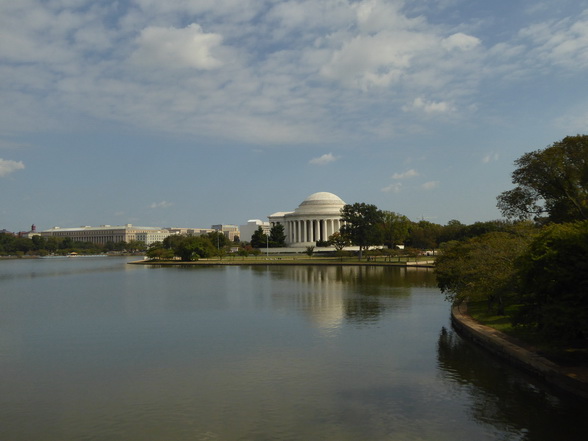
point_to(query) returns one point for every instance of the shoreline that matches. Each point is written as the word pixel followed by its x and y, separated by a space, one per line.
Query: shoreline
pixel 284 262
pixel 572 380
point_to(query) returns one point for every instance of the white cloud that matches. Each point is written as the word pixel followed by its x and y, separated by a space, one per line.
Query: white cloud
pixel 561 42
pixel 491 157
pixel 8 166
pixel 177 48
pixel 429 107
pixel 430 185
pixel 460 41
pixel 261 72
pixel 323 160
pixel 393 188
pixel 405 175
pixel 162 204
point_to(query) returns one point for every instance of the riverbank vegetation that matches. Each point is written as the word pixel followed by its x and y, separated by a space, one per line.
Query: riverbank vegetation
pixel 532 277
pixel 15 246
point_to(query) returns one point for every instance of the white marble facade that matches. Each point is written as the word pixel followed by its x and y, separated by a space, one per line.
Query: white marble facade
pixel 315 219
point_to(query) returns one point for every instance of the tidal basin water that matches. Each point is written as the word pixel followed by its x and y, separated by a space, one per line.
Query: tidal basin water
pixel 95 349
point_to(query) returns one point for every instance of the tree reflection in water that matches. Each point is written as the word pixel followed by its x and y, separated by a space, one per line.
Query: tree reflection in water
pixel 334 294
pixel 506 399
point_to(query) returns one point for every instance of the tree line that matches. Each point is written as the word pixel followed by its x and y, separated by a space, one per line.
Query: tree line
pixel 14 245
pixel 365 227
pixel 535 272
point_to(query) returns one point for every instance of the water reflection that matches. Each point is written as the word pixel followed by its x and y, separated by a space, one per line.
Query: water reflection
pixel 332 295
pixel 508 400
pixel 251 353
pixel 60 266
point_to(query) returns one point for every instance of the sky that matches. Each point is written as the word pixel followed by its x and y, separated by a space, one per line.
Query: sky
pixel 189 113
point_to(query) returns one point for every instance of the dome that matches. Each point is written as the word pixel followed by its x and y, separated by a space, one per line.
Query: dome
pixel 321 203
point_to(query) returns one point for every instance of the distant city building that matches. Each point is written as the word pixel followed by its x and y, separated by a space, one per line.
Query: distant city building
pixel 315 219
pixel 190 231
pixel 150 237
pixel 251 227
pixel 231 231
pixel 29 234
pixel 107 233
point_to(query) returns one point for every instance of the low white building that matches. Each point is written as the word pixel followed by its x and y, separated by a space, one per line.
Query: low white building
pixel 108 233
pixel 150 237
pixel 251 227
pixel 315 219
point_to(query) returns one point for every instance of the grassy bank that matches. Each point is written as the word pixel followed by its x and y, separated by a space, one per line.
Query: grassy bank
pixel 571 353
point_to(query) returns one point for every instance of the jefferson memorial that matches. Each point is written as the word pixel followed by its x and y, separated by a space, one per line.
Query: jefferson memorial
pixel 315 219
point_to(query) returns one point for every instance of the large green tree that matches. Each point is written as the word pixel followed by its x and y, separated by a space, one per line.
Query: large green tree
pixel 424 234
pixel 554 281
pixel 361 225
pixel 218 239
pixel 394 228
pixel 481 268
pixel 277 236
pixel 187 247
pixel 259 239
pixel 551 184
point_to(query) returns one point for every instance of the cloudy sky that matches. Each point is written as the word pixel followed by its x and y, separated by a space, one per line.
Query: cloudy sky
pixel 195 112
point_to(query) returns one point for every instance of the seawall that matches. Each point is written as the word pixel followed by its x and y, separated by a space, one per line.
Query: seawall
pixel 568 379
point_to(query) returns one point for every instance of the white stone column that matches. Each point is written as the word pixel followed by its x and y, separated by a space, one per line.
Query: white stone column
pixel 302 231
pixel 319 230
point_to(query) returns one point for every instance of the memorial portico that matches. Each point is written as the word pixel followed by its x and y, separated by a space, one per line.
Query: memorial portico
pixel 315 219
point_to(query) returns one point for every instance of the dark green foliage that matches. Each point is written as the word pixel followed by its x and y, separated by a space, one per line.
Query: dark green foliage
pixel 259 239
pixel 362 225
pixel 277 237
pixel 551 184
pixel 338 241
pixel 194 247
pixel 554 281
pixel 394 228
pixel 481 268
pixel 218 239
pixel 424 235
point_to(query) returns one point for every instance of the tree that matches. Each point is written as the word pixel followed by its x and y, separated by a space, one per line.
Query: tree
pixel 219 240
pixel 552 182
pixel 157 252
pixel 277 237
pixel 135 245
pixel 190 248
pixel 259 239
pixel 554 281
pixel 338 241
pixel 39 242
pixel 481 268
pixel 454 230
pixel 362 225
pixel 394 228
pixel 424 235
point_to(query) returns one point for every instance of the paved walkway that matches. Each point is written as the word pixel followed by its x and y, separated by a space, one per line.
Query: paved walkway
pixel 572 379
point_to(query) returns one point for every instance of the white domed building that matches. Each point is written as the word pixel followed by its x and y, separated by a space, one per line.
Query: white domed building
pixel 315 219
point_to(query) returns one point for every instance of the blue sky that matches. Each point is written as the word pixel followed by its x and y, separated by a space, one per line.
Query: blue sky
pixel 192 113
